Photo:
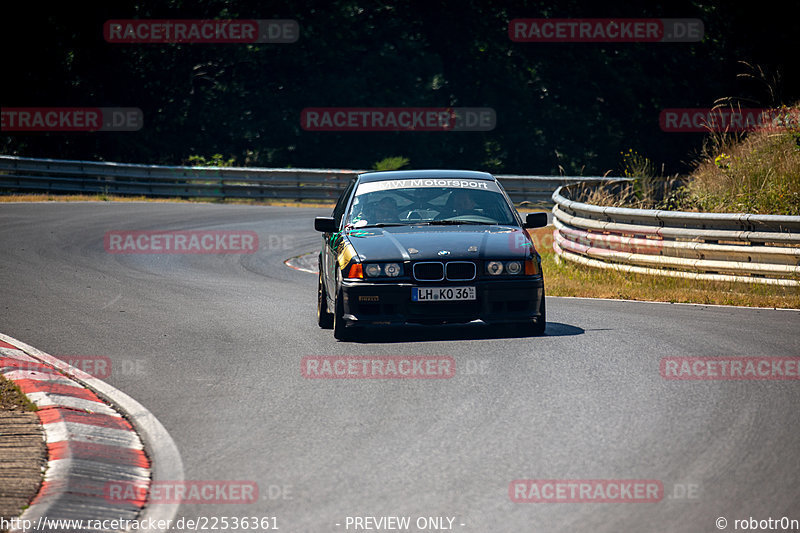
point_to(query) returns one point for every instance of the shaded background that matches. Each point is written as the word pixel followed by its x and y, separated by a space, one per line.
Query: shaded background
pixel 567 108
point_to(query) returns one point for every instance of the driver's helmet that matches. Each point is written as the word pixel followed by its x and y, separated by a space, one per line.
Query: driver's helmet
pixel 461 202
pixel 384 210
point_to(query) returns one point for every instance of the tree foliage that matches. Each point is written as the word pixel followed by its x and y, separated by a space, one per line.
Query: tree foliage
pixel 567 108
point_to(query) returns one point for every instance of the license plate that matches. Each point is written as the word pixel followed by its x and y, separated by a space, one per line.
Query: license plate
pixel 442 294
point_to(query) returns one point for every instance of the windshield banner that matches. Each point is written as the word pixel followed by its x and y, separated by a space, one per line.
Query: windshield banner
pixel 457 183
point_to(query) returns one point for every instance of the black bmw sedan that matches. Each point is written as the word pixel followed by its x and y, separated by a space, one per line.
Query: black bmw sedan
pixel 428 247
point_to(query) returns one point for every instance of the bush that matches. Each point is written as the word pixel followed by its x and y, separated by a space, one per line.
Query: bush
pixel 216 160
pixel 391 163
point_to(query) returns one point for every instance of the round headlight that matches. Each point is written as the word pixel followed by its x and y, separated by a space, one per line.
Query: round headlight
pixel 392 270
pixel 495 268
pixel 513 267
pixel 373 270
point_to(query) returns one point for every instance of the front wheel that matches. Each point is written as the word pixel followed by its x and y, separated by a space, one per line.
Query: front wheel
pixel 340 330
pixel 537 327
pixel 324 317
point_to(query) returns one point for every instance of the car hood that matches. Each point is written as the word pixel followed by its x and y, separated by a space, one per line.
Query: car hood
pixel 427 242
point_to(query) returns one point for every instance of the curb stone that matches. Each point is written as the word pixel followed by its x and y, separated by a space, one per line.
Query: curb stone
pixel 92 434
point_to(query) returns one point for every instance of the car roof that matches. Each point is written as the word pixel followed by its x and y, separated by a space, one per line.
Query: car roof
pixel 421 174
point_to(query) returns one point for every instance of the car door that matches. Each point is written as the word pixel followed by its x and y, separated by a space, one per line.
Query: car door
pixel 331 240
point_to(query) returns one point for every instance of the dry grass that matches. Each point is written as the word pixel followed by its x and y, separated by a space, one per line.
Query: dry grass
pixel 564 278
pixel 34 197
pixel 644 193
pixel 111 198
pixel 757 174
pixel 12 399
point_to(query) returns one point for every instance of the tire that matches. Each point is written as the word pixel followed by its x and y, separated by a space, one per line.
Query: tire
pixel 324 317
pixel 533 327
pixel 537 327
pixel 340 329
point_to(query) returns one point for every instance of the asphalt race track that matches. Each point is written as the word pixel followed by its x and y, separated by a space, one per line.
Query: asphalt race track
pixel 212 345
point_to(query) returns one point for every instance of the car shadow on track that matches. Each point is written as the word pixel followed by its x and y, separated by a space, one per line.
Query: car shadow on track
pixel 457 332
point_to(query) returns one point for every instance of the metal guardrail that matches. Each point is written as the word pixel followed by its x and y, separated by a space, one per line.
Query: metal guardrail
pixel 709 246
pixel 727 247
pixel 62 176
pixel 22 174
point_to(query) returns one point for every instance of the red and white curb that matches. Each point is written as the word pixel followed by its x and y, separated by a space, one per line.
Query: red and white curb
pixel 304 262
pixel 90 444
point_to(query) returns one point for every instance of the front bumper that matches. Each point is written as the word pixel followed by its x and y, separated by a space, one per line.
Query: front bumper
pixel 506 300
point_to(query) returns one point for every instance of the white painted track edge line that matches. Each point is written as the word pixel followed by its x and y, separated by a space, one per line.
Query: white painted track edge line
pixel 695 304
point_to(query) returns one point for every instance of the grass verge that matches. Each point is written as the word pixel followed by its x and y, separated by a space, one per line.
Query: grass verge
pixel 12 399
pixel 112 198
pixel 564 278
pixel 755 172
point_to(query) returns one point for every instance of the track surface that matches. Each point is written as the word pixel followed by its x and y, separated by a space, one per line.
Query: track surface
pixel 212 344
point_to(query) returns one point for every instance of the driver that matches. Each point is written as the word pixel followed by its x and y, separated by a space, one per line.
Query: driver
pixel 385 210
pixel 460 203
pixel 463 202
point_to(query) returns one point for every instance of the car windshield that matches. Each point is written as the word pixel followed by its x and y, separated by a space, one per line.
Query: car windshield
pixel 429 205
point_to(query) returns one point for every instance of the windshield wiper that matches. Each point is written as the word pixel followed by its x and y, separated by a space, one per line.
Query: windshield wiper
pixel 456 222
pixel 379 225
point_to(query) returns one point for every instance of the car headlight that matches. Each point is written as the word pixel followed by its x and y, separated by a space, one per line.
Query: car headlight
pixel 393 270
pixel 513 267
pixel 494 268
pixel 529 267
pixel 376 270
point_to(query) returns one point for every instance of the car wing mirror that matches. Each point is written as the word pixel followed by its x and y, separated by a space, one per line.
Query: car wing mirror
pixel 535 220
pixel 325 224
